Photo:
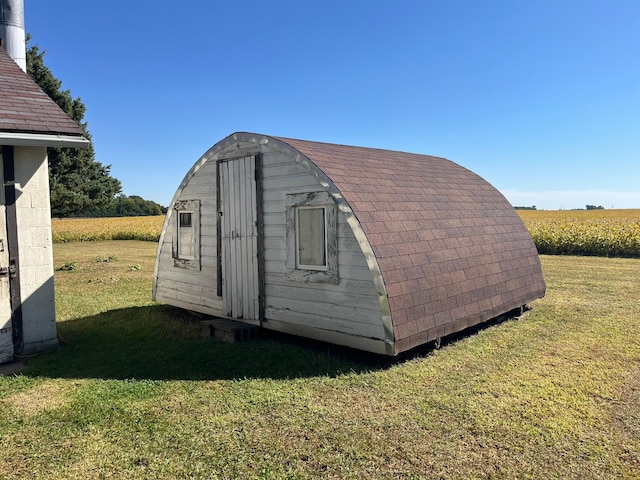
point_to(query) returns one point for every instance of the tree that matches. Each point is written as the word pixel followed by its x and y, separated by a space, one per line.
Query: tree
pixel 77 181
pixel 124 206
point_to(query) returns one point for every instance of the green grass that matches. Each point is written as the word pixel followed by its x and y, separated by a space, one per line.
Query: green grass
pixel 135 392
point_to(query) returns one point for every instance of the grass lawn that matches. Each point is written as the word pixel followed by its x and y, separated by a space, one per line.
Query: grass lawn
pixel 135 392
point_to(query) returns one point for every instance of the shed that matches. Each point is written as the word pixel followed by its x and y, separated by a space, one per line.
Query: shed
pixel 374 249
pixel 29 123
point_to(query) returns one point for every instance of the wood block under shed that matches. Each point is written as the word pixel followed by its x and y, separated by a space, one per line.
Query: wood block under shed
pixel 229 331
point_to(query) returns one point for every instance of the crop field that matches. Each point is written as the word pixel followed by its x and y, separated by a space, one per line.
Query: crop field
pixel 604 233
pixel 95 229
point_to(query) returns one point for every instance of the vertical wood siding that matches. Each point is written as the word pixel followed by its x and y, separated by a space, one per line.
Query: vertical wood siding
pixel 239 220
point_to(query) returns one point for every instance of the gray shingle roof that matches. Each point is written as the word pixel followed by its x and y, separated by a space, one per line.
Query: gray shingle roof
pixel 25 108
pixel 452 250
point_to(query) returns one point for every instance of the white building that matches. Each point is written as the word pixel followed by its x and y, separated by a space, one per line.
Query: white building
pixel 29 123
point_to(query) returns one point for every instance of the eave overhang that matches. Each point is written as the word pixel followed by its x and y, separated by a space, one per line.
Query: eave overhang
pixel 43 140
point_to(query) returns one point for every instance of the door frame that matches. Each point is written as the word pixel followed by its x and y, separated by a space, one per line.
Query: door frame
pixel 11 235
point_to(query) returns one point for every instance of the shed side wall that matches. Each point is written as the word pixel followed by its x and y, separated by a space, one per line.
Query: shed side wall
pixel 351 306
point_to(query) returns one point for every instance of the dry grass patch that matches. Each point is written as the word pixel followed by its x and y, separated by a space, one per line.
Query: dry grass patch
pixel 40 398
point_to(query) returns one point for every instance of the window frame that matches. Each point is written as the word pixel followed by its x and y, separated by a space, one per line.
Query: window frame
pixel 296 271
pixel 181 260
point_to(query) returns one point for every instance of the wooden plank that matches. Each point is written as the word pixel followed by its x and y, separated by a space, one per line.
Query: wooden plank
pixel 273 231
pixel 287 169
pixel 371 328
pixel 253 244
pixel 275 219
pixel 354 286
pixel 365 300
pixel 225 228
pixel 338 338
pixel 277 193
pixel 180 302
pixel 200 287
pixel 270 159
pixel 180 275
pixel 197 191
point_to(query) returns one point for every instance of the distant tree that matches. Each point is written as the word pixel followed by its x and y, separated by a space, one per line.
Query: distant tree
pixel 124 206
pixel 593 207
pixel 77 181
pixel 533 207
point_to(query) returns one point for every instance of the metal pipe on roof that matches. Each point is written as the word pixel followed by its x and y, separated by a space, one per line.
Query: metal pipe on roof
pixel 12 36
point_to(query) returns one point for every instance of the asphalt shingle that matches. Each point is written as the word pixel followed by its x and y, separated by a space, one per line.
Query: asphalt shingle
pixel 25 108
pixel 452 251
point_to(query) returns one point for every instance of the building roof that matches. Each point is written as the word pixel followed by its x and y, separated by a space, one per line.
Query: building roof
pixel 26 109
pixel 451 249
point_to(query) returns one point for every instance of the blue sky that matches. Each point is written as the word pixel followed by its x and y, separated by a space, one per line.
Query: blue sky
pixel 541 98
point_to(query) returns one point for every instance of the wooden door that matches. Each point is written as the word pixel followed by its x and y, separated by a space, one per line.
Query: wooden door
pixel 239 233
pixel 6 331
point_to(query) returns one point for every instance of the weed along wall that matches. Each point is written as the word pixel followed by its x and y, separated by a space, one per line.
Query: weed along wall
pixel 374 249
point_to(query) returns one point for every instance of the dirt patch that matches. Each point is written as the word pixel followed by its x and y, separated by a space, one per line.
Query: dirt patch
pixel 12 368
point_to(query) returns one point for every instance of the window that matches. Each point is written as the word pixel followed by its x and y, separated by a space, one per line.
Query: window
pixel 186 242
pixel 185 219
pixel 186 239
pixel 312 238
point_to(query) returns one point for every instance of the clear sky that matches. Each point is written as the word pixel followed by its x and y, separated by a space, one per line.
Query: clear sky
pixel 541 98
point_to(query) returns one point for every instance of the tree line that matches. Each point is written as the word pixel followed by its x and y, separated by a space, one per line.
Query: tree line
pixel 80 185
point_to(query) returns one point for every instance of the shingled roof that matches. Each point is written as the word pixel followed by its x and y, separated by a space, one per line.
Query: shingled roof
pixel 25 108
pixel 451 249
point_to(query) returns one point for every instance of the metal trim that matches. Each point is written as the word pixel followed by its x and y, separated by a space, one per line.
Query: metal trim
pixel 43 140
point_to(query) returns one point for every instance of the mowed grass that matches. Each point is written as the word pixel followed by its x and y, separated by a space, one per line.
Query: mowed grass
pixel 135 392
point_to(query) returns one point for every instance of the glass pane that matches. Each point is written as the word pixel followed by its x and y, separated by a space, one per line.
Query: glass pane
pixel 186 239
pixel 185 219
pixel 311 237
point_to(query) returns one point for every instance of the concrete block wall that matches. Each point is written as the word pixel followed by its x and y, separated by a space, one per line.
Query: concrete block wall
pixel 33 213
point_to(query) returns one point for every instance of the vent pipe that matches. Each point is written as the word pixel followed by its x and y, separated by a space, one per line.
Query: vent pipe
pixel 12 35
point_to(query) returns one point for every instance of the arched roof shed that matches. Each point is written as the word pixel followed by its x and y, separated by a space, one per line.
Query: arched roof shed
pixel 421 246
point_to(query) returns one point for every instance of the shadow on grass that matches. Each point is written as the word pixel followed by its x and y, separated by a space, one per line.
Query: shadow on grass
pixel 163 343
